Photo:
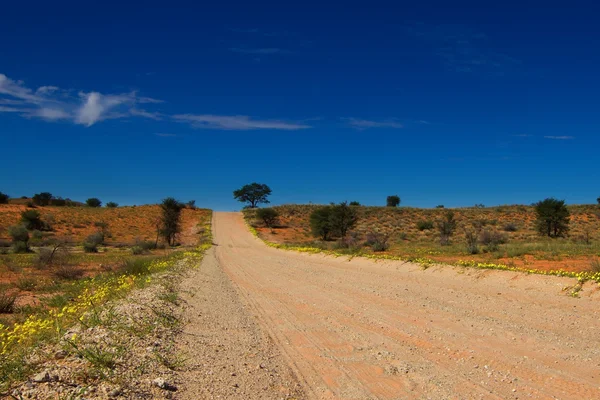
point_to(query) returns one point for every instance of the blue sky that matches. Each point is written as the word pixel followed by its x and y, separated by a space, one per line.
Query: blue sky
pixel 440 103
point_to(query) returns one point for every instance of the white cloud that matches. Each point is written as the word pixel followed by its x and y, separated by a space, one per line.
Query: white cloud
pixel 51 114
pixel 46 90
pixel 52 103
pixel 365 124
pixel 560 137
pixel 236 122
pixel 136 112
pixel 11 109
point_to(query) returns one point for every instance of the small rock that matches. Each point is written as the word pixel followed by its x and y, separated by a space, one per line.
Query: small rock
pixel 114 393
pixel 161 383
pixel 59 355
pixel 41 377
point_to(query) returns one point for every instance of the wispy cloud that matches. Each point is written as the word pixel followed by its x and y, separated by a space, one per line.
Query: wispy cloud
pixel 52 103
pixel 366 124
pixel 259 51
pixel 560 137
pixel 236 122
pixel 463 50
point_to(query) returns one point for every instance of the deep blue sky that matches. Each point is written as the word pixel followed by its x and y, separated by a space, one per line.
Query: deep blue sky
pixel 439 102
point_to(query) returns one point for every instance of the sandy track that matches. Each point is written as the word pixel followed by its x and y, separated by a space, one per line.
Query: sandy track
pixel 361 329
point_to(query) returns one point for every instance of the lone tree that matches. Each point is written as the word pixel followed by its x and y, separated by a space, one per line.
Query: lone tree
pixel 552 217
pixel 393 201
pixel 268 215
pixel 598 200
pixel 171 219
pixel 93 202
pixel 3 198
pixel 342 218
pixel 446 227
pixel 319 222
pixel 42 199
pixel 111 204
pixel 253 193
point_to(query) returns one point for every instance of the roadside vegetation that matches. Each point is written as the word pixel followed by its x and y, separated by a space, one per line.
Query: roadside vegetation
pixel 57 276
pixel 547 237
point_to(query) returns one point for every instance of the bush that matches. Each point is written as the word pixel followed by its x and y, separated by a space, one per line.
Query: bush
pixel 268 216
pixel 472 242
pixel 58 254
pixel 446 227
pixel 479 206
pixel 342 218
pixel 319 222
pixel 111 204
pixel 3 198
pixel 42 199
pixel 58 202
pixel 68 272
pixel 93 202
pixel 31 220
pixel 191 204
pixel 26 284
pixel 350 242
pixel 135 266
pixel 439 206
pixel 552 217
pixel 20 238
pixel 20 247
pixel 425 225
pixel 7 303
pixel 377 241
pixel 393 201
pixel 510 227
pixel 92 242
pixel 354 203
pixel 492 239
pixel 138 250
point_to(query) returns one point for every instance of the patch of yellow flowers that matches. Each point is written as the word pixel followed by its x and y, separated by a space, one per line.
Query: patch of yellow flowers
pixel 96 291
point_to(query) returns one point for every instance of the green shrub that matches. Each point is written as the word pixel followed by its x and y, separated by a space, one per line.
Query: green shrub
pixel 393 201
pixel 136 266
pixel 93 202
pixel 20 247
pixel 472 242
pixel 319 222
pixel 354 203
pixel 425 225
pixel 269 216
pixel 553 217
pixel 446 227
pixel 92 242
pixel 111 204
pixel 439 206
pixel 342 218
pixel 42 199
pixel 3 198
pixel 137 250
pixel 171 220
pixel 31 220
pixel 20 238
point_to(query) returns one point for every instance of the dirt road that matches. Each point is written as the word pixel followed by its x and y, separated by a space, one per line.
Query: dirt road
pixel 361 329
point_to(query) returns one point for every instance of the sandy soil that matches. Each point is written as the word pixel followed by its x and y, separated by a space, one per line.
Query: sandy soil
pixel 359 329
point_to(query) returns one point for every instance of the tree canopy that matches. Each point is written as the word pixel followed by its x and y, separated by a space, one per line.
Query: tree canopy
pixel 553 217
pixel 253 194
pixel 393 201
